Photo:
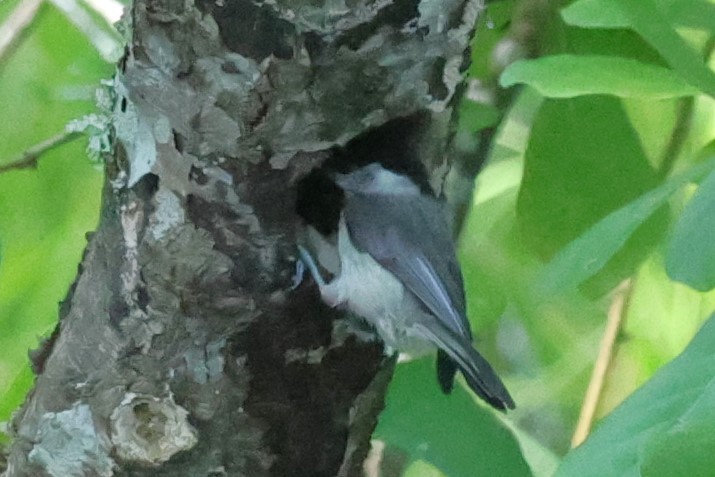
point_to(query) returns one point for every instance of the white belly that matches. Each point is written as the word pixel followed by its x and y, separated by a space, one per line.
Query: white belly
pixel 373 293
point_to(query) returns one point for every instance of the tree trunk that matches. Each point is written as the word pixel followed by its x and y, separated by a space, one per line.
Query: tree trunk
pixel 182 349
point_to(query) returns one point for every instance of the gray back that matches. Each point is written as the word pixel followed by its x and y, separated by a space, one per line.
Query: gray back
pixel 409 236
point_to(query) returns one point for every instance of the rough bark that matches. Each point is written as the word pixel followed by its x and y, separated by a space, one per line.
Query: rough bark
pixel 181 348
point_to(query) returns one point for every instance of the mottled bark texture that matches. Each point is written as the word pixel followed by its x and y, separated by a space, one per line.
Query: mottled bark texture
pixel 181 348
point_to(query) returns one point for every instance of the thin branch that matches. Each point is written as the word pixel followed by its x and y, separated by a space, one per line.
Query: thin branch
pixel 106 43
pixel 16 23
pixel 616 314
pixel 384 460
pixel 110 10
pixel 31 156
pixel 683 122
pixel 619 305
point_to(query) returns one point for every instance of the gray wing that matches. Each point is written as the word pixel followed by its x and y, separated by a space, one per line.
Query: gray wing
pixel 409 237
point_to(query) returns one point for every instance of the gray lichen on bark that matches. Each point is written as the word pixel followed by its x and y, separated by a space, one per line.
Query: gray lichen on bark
pixel 181 348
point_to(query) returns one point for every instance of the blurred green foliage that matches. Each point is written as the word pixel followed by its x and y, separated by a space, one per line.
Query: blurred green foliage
pixel 47 79
pixel 592 178
pixel 600 170
pixel 439 428
pixel 691 255
pixel 664 429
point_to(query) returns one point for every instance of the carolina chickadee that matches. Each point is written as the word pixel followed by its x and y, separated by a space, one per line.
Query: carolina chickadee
pixel 398 270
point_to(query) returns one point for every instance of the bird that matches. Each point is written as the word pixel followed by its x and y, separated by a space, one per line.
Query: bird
pixel 398 270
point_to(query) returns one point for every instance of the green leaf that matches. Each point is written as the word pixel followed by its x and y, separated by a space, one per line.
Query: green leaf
pixel 420 468
pixel 595 14
pixel 654 25
pixel 691 252
pixel 584 161
pixel 475 116
pixel 699 14
pixel 542 461
pixel 453 433
pixel 13 396
pixel 566 76
pixel 664 429
pixel 586 255
pixel 49 78
pixel 686 447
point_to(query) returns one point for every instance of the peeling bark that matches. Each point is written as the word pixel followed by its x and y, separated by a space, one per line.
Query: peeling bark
pixel 181 348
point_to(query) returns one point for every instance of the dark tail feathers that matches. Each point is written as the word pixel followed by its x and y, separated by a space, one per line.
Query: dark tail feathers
pixel 457 352
pixel 446 370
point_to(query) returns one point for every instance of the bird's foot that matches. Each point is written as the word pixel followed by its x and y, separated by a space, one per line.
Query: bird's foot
pixel 306 261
